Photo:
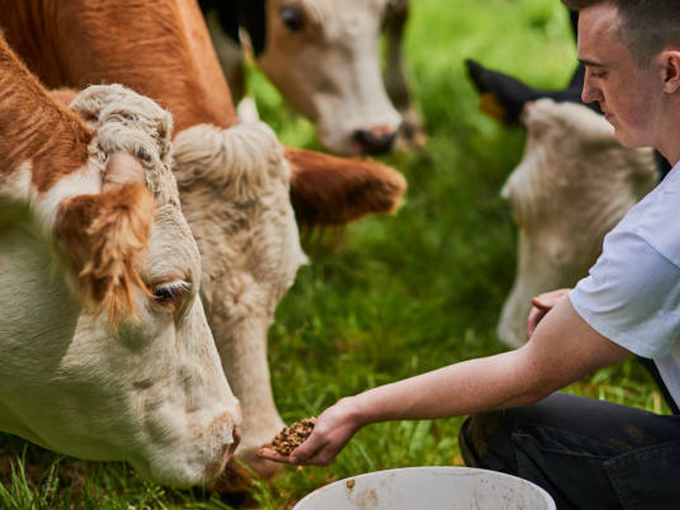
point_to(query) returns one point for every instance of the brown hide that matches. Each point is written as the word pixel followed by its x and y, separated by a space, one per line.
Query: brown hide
pixel 54 139
pixel 332 191
pixel 160 49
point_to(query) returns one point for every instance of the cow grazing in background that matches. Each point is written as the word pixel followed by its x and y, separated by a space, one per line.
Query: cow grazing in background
pixel 106 351
pixel 324 57
pixel 574 183
pixel 241 190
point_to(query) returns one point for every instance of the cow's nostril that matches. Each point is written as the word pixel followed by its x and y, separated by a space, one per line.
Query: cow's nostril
pixel 374 141
pixel 237 438
pixel 216 469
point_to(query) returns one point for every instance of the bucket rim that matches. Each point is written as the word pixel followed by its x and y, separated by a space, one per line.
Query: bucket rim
pixel 459 470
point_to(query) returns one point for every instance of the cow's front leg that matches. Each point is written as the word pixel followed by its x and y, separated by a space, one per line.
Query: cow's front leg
pixel 411 133
pixel 234 187
pixel 244 359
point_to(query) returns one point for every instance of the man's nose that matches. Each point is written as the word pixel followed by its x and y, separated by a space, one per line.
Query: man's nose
pixel 590 94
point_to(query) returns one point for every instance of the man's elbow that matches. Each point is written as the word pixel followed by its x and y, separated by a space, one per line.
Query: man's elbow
pixel 536 379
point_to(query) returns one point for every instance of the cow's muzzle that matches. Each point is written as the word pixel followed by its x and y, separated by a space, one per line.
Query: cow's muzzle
pixel 377 140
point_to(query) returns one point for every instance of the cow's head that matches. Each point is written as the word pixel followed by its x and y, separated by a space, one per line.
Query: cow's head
pixel 573 184
pixel 324 57
pixel 106 350
pixel 244 195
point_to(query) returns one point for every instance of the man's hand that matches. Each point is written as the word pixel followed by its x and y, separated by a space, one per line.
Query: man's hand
pixel 541 305
pixel 333 429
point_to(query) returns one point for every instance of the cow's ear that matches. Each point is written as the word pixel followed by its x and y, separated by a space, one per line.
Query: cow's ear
pixel 103 236
pixel 331 191
pixel 501 97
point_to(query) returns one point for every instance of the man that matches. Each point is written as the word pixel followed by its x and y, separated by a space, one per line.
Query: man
pixel 588 454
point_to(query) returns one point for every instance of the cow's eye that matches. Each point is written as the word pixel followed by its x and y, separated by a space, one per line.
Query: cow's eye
pixel 293 17
pixel 171 295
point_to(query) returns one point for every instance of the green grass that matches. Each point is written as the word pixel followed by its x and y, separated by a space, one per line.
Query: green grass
pixel 399 294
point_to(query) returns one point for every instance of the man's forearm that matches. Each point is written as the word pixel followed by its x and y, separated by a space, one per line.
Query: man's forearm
pixel 463 388
pixel 550 361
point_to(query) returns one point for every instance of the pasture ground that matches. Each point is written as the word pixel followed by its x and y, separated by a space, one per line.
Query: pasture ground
pixel 389 297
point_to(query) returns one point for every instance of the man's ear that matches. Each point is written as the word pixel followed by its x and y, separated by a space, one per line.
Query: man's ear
pixel 670 60
pixel 328 191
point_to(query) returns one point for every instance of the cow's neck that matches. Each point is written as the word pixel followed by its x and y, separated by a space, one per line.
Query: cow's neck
pixel 52 138
pixel 46 307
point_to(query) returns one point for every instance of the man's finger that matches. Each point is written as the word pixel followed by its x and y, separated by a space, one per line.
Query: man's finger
pixel 307 451
pixel 269 454
pixel 534 318
pixel 541 302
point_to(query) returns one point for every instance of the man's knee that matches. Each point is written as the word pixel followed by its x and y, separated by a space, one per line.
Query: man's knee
pixel 485 442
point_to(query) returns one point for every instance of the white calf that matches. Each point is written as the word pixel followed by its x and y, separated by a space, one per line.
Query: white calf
pixel 574 183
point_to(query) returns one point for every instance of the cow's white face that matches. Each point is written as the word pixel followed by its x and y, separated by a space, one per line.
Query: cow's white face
pixel 149 390
pixel 152 393
pixel 574 183
pixel 324 57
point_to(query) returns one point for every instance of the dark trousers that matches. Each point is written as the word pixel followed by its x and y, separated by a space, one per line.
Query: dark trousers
pixel 588 454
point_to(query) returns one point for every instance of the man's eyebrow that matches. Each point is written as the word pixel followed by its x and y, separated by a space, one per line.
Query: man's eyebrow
pixel 590 63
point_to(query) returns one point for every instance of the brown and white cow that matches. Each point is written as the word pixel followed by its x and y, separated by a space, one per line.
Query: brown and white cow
pixel 324 57
pixel 106 351
pixel 573 184
pixel 241 190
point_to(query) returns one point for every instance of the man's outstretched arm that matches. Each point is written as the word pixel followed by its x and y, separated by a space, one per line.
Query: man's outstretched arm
pixel 563 349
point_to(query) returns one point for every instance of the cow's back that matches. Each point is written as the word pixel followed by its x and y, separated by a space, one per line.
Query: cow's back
pixel 172 59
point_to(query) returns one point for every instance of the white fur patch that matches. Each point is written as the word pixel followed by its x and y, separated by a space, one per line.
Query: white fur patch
pixel 84 181
pixel 127 121
pixel 17 185
pixel 243 159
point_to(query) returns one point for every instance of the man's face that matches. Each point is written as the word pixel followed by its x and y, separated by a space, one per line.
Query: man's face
pixel 629 95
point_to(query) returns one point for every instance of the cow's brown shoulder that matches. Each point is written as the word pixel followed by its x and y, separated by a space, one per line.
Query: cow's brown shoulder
pixel 35 127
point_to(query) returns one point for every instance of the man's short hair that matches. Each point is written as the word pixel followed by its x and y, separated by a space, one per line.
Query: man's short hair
pixel 648 26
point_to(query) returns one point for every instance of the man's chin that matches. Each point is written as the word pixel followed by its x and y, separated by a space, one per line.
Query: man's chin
pixel 626 141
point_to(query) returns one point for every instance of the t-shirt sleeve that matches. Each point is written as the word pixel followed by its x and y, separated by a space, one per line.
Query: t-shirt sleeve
pixel 631 296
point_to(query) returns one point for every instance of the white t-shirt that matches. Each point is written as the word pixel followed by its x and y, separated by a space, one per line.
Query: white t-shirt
pixel 632 294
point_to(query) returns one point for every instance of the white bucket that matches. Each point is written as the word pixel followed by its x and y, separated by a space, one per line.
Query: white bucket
pixel 429 488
